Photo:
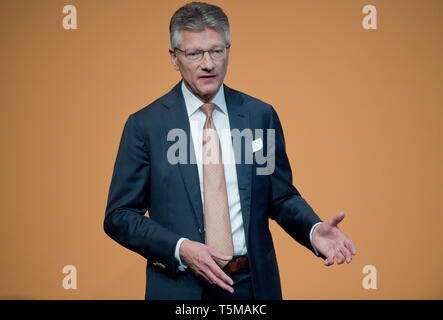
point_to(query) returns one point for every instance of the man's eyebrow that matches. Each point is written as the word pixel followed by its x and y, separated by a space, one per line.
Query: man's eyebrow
pixel 217 46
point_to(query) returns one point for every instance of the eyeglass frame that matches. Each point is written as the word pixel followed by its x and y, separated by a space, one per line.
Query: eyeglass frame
pixel 203 51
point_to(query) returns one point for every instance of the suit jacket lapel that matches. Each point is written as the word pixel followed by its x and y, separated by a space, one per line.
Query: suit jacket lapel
pixel 239 119
pixel 176 117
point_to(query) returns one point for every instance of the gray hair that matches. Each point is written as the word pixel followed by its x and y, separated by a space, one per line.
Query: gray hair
pixel 198 16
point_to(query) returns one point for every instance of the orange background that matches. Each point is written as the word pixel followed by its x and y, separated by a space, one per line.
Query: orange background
pixel 361 111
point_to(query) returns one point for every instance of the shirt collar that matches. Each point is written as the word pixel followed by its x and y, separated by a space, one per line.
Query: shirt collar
pixel 193 103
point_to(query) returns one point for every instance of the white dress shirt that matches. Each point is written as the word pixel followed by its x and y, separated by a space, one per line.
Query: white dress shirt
pixel 220 117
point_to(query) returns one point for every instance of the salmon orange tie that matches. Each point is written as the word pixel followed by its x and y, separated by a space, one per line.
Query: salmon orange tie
pixel 216 208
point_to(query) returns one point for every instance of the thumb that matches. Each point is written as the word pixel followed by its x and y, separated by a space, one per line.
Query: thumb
pixel 219 255
pixel 337 219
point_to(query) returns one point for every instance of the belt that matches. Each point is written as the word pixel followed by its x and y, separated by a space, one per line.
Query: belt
pixel 237 265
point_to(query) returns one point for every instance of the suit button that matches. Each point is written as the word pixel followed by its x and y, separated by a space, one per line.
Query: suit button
pixel 199 230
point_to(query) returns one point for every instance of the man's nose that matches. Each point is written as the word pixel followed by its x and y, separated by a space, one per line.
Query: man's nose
pixel 207 62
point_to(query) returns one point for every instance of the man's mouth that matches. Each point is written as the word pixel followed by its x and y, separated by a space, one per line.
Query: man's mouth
pixel 207 76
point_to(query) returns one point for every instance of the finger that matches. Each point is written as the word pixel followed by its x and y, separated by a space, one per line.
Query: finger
pixel 210 271
pixel 346 253
pixel 351 247
pixel 340 257
pixel 214 263
pixel 337 219
pixel 217 254
pixel 215 279
pixel 329 262
pixel 329 259
pixel 221 263
pixel 219 273
pixel 207 275
pixel 201 274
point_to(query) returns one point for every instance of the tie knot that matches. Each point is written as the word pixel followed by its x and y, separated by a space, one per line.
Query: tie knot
pixel 208 108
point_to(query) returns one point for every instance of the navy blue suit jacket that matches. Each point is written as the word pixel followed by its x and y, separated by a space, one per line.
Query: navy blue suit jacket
pixel 143 180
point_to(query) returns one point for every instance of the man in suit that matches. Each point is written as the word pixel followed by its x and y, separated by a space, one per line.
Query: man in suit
pixel 207 234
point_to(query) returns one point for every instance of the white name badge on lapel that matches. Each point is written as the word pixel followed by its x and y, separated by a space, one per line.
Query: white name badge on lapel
pixel 257 145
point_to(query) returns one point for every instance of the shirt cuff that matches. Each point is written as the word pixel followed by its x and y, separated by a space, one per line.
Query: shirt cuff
pixel 310 236
pixel 181 266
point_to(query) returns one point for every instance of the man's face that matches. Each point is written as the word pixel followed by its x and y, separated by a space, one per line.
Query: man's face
pixel 203 78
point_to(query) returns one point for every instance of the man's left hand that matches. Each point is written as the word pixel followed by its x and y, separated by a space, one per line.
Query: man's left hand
pixel 330 241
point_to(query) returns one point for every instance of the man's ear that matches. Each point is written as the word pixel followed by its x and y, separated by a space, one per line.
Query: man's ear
pixel 174 59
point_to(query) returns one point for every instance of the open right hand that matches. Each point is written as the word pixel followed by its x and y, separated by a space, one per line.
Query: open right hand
pixel 206 263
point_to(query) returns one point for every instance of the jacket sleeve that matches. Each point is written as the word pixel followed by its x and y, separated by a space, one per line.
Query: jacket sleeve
pixel 128 201
pixel 290 210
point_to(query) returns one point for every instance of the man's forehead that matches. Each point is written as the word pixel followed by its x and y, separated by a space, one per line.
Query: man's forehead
pixel 208 37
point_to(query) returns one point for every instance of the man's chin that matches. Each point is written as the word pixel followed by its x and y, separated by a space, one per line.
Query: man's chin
pixel 208 94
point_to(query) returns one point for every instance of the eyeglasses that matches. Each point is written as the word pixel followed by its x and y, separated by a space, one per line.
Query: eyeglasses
pixel 197 55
